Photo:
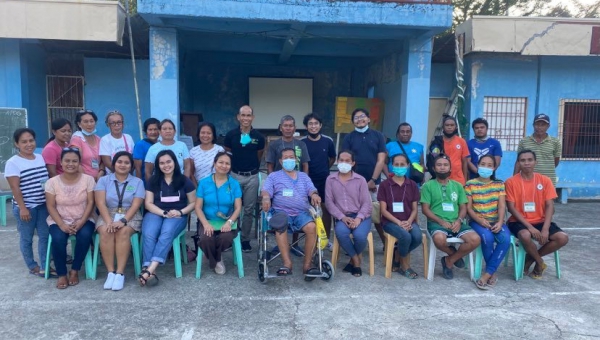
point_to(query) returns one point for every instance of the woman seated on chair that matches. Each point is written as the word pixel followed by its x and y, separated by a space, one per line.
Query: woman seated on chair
pixel 348 200
pixel 118 197
pixel 169 198
pixel 486 209
pixel 218 206
pixel 70 201
pixel 398 197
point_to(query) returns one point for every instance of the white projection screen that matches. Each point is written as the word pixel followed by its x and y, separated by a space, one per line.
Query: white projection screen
pixel 273 98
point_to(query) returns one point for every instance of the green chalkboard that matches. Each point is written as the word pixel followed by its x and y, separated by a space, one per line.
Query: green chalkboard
pixel 10 120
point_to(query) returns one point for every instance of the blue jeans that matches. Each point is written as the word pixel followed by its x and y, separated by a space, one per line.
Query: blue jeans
pixel 158 234
pixel 360 233
pixel 83 240
pixel 493 256
pixel 26 230
pixel 407 240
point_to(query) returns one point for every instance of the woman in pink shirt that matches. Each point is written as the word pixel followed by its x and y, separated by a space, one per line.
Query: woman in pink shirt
pixel 61 137
pixel 88 143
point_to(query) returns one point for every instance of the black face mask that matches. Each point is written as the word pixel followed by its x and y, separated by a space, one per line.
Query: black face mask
pixel 450 135
pixel 442 176
pixel 314 135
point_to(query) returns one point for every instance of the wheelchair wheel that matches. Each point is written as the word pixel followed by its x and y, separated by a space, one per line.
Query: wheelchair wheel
pixel 327 269
pixel 261 273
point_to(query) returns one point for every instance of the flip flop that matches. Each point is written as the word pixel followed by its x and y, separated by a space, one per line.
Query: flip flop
pixel 409 273
pixel 481 285
pixel 152 280
pixel 311 271
pixel 396 266
pixel 284 271
pixel 538 275
pixel 143 280
pixel 491 282
pixel 348 268
pixel 74 282
pixel 357 272
pixel 52 275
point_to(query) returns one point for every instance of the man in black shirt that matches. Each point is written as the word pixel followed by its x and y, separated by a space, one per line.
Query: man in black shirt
pixel 246 146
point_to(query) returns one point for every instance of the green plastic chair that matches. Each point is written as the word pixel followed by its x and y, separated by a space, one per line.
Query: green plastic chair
pixel 3 200
pixel 521 257
pixel 135 249
pixel 515 257
pixel 237 257
pixel 87 263
pixel 179 252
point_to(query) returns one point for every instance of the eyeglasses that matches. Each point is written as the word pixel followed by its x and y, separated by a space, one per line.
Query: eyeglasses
pixel 313 124
pixel 116 123
pixel 360 117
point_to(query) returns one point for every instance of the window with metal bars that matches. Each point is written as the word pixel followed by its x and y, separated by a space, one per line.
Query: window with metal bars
pixel 579 129
pixel 506 117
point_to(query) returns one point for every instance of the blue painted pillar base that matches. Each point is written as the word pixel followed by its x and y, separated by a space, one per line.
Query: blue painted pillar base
pixel 164 74
pixel 414 105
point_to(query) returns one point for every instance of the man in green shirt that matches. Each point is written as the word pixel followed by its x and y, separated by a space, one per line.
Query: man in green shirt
pixel 444 203
pixel 547 149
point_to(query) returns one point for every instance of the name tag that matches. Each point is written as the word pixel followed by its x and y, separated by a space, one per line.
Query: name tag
pixel 288 192
pixel 169 199
pixel 118 217
pixel 43 183
pixel 398 207
pixel 529 206
pixel 447 207
pixel 95 164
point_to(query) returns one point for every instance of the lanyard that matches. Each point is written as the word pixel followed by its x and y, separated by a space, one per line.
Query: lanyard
pixel 120 195
pixel 535 185
pixel 403 193
pixel 440 186
pixel 219 212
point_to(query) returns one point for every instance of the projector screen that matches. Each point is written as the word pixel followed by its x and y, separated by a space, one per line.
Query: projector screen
pixel 273 98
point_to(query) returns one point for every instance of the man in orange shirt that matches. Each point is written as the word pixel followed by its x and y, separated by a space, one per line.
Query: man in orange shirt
pixel 530 197
pixel 456 148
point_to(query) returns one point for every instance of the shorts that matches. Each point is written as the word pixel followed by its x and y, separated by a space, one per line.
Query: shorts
pixel 434 228
pixel 320 185
pixel 515 227
pixel 296 223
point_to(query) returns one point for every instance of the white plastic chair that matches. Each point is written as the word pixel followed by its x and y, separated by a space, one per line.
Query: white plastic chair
pixel 431 258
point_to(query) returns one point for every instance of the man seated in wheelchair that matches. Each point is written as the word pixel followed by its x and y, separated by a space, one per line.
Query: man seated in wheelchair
pixel 288 192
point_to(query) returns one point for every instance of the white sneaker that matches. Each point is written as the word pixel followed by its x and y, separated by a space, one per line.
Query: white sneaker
pixel 109 280
pixel 118 282
pixel 220 268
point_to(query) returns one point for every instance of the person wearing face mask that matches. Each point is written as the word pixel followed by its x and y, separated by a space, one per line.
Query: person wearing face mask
pixel 348 200
pixel 322 156
pixel 486 209
pixel 482 145
pixel 89 143
pixel 444 203
pixel 456 149
pixel 398 197
pixel 291 193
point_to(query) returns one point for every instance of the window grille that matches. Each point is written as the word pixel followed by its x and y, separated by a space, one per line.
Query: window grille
pixel 506 117
pixel 579 129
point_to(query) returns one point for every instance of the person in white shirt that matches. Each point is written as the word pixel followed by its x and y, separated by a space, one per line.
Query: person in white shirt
pixel 203 155
pixel 167 134
pixel 115 141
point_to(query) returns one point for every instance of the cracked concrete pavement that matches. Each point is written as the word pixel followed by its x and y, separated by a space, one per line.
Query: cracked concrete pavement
pixel 226 307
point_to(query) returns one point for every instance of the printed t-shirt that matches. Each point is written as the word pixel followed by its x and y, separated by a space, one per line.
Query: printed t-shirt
pixel 204 160
pixel 444 200
pixel 485 198
pixel 537 191
pixel 218 199
pixel 456 149
pixel 479 149
pixel 110 145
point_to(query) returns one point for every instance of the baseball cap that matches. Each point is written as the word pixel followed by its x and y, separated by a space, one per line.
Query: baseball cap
pixel 542 116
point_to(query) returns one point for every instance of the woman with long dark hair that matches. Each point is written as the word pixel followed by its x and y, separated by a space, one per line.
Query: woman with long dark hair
pixel 169 198
pixel 61 138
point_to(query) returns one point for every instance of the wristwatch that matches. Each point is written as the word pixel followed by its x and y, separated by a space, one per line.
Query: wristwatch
pixel 124 221
pixel 230 222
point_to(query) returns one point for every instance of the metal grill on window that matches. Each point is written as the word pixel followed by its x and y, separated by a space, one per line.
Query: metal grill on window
pixel 506 117
pixel 579 129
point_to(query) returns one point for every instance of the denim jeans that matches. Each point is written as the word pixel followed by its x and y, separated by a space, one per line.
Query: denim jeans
pixel 359 234
pixel 249 186
pixel 158 234
pixel 493 256
pixel 26 230
pixel 407 240
pixel 83 240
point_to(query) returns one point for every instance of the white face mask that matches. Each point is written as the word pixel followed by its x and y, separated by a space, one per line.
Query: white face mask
pixel 362 129
pixel 344 167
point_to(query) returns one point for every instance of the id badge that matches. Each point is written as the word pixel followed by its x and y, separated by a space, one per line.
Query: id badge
pixel 529 206
pixel 447 207
pixel 169 199
pixel 398 207
pixel 43 183
pixel 288 192
pixel 118 217
pixel 95 164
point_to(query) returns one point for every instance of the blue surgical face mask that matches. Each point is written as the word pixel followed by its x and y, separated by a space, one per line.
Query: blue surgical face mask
pixel 245 139
pixel 85 133
pixel 288 164
pixel 361 130
pixel 399 170
pixel 485 172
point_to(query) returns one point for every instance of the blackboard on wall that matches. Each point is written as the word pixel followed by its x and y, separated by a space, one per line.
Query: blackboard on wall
pixel 10 120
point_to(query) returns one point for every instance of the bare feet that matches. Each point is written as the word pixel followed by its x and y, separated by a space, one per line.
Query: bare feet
pixel 62 282
pixel 73 278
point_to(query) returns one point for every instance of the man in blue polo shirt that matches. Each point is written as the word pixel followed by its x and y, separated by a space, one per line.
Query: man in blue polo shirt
pixel 322 156
pixel 481 145
pixel 414 150
pixel 369 150
pixel 246 146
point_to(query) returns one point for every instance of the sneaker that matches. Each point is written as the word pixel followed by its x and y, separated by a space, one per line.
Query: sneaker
pixel 109 280
pixel 329 246
pixel 118 282
pixel 297 251
pixel 220 268
pixel 246 247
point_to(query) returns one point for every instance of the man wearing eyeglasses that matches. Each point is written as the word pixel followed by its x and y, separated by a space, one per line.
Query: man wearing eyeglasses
pixel 369 151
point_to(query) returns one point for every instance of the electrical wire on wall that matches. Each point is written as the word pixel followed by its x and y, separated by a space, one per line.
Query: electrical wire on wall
pixel 135 84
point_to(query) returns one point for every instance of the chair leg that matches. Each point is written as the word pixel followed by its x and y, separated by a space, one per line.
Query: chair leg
pixel 388 259
pixel 94 269
pixel 135 249
pixel 335 252
pixel 177 255
pixel 557 263
pixel 47 267
pixel 425 246
pixel 183 247
pixel 371 254
pixel 431 258
pixel 3 209
pixel 477 267
pixel 199 263
pixel 237 255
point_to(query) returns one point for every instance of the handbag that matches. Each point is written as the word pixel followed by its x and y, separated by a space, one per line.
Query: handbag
pixel 415 174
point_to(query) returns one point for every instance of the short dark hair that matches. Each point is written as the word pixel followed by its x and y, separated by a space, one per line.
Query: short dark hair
pixel 526 151
pixel 393 158
pixel 401 125
pixel 19 132
pixel 284 150
pixel 149 122
pixel 310 116
pixel 359 110
pixel 212 128
pixel 480 121
pixel 82 113
pixel 442 156
pixel 167 120
pixel 221 154
pixel 123 153
pixel 67 150
pixel 348 152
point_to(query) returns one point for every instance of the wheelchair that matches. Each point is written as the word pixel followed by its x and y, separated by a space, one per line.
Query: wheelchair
pixel 325 268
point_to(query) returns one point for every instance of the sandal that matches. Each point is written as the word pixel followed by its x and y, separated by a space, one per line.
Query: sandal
pixel 348 268
pixel 481 285
pixel 536 275
pixel 396 266
pixel 52 274
pixel 284 271
pixel 73 278
pixel 143 280
pixel 409 273
pixel 491 282
pixel 62 283
pixel 35 271
pixel 152 280
pixel 311 271
pixel 357 272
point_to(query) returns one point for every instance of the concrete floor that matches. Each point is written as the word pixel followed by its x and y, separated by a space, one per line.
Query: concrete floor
pixel 226 307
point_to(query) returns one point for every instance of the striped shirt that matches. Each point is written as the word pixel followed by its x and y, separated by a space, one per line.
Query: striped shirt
pixel 545 152
pixel 32 175
pixel 485 197
pixel 289 195
pixel 204 160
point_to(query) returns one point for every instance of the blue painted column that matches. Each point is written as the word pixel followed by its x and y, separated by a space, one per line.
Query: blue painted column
pixel 414 104
pixel 164 74
pixel 10 73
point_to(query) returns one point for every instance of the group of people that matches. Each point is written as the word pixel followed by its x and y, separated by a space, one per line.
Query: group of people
pixel 82 184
